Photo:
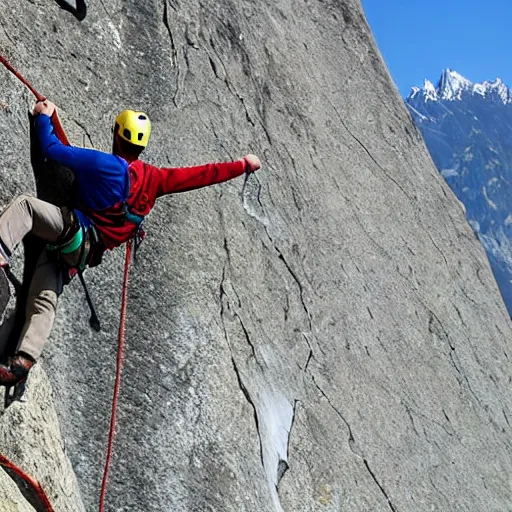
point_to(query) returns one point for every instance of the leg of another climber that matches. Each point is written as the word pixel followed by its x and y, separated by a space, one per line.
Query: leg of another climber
pixel 27 214
pixel 45 288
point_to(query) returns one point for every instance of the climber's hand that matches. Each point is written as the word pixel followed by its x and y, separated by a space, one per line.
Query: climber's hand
pixel 253 163
pixel 45 107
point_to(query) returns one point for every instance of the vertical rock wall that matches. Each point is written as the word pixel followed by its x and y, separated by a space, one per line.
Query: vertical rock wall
pixel 30 438
pixel 326 335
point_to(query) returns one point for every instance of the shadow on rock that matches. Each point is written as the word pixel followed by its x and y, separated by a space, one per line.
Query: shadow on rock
pixel 76 7
pixel 28 493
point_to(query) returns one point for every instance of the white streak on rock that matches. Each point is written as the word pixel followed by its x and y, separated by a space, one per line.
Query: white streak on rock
pixel 275 414
pixel 117 37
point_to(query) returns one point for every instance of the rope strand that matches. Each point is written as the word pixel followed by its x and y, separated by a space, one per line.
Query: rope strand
pixel 117 385
pixel 57 126
pixel 19 76
pixel 34 484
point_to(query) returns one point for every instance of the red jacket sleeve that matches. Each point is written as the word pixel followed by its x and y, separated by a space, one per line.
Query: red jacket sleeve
pixel 181 179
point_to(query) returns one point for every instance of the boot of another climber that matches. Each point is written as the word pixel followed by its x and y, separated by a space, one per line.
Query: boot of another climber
pixel 16 370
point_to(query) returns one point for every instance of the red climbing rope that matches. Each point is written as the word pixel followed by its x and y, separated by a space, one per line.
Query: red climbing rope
pixel 59 131
pixel 34 484
pixel 10 67
pixel 120 348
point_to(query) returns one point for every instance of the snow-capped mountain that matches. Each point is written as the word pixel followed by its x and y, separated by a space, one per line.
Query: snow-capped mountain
pixel 468 130
pixel 453 86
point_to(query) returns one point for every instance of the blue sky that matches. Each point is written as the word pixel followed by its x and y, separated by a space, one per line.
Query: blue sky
pixel 419 38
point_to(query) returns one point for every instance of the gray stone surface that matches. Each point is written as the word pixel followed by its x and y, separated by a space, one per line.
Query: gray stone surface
pixel 11 499
pixel 30 438
pixel 326 336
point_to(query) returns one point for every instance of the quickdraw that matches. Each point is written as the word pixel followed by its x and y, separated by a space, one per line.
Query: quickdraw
pixel 119 365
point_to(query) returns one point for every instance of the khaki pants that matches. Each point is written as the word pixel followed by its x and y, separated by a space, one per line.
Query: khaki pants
pixel 27 214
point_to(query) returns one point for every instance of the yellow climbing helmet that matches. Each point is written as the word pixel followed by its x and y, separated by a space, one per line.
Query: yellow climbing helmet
pixel 133 127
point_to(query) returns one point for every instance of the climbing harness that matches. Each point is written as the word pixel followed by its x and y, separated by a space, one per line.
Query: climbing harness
pixel 31 482
pixel 79 246
pixel 71 245
pixel 75 242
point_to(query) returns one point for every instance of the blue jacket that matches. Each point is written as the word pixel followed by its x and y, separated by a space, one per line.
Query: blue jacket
pixel 102 179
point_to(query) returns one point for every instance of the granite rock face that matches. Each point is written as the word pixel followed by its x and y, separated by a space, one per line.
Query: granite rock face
pixel 326 335
pixel 30 438
pixel 11 499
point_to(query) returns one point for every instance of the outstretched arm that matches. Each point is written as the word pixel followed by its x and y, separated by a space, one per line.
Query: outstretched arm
pixel 181 179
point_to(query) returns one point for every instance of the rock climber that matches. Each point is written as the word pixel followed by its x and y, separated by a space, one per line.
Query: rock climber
pixel 113 194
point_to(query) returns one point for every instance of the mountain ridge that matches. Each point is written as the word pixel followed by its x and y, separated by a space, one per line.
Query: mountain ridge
pixel 452 86
pixel 467 129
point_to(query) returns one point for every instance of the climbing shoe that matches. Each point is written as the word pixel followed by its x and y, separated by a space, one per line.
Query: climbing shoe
pixel 15 370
